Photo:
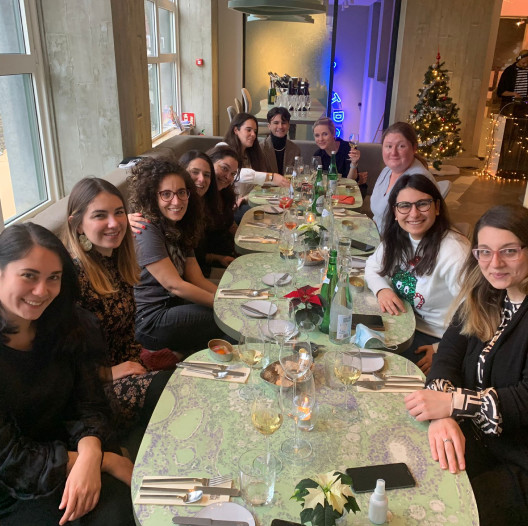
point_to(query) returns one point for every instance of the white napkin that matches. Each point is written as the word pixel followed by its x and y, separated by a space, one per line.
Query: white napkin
pixel 400 388
pixel 142 498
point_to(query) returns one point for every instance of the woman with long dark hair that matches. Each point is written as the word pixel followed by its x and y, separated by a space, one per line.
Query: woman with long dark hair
pixel 57 460
pixel 477 390
pixel 174 299
pixel 419 260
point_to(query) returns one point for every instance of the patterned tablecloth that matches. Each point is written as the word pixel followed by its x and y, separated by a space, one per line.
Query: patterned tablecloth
pixel 362 229
pixel 201 427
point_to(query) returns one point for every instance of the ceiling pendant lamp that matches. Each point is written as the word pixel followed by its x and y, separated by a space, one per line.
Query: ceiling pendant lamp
pixel 305 19
pixel 279 7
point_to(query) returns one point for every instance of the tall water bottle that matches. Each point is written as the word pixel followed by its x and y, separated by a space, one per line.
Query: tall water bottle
pixel 341 311
pixel 327 291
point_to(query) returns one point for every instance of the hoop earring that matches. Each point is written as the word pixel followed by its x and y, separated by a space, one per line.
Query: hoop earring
pixel 85 243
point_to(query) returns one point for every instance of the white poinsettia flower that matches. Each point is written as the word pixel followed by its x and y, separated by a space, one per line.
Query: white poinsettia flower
pixel 337 496
pixel 315 496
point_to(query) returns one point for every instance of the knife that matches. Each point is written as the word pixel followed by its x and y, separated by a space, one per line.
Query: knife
pixel 210 370
pixel 207 490
pixel 254 311
pixel 197 521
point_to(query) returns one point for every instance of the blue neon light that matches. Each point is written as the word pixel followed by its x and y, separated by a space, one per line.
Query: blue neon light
pixel 338 115
pixel 335 98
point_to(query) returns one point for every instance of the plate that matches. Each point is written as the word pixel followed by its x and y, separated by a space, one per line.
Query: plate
pixel 270 210
pixel 226 511
pixel 371 365
pixel 261 305
pixel 268 279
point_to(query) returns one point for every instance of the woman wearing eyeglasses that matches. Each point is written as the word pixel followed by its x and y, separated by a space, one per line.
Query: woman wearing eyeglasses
pixel 477 389
pixel 419 261
pixel 174 299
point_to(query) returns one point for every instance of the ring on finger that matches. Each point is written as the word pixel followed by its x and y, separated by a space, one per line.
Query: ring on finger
pixel 447 440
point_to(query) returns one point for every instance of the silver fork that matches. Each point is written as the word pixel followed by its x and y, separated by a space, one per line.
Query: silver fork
pixel 397 378
pixel 212 481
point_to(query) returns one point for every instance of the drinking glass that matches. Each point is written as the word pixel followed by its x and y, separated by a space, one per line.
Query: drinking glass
pixel 282 326
pixel 298 402
pixel 288 173
pixel 298 258
pixel 353 141
pixel 251 351
pixel 325 245
pixel 257 472
pixel 266 416
pixel 290 218
pixel 286 241
pixel 316 162
pixel 347 368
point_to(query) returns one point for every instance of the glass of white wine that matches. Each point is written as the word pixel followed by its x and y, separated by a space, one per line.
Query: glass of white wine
pixel 267 417
pixel 347 368
pixel 251 351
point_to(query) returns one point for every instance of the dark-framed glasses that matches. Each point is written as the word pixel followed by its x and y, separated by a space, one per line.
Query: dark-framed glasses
pixel 506 254
pixel 168 195
pixel 423 205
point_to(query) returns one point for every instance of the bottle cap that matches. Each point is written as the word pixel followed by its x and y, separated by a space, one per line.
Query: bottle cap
pixel 380 487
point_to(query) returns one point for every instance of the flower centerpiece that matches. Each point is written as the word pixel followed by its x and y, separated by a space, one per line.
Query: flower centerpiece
pixel 325 498
pixel 308 306
pixel 311 233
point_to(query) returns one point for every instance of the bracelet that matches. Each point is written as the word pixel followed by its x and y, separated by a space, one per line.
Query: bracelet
pixel 269 177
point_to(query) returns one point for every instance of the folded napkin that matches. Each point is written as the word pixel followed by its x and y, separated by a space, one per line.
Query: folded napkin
pixel 257 239
pixel 262 296
pixel 143 498
pixel 400 387
pixel 188 371
pixel 345 199
pixel 341 212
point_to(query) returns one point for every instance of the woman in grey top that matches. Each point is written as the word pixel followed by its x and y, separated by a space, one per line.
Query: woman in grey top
pixel 399 146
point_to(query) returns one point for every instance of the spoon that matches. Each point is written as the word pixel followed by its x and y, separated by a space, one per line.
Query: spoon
pixel 189 498
pixel 250 293
pixel 204 370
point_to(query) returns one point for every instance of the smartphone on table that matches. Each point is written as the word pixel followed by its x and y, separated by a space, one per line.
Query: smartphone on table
pixel 396 476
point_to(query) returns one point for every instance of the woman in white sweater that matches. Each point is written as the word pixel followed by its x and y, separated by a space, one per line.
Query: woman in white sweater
pixel 419 260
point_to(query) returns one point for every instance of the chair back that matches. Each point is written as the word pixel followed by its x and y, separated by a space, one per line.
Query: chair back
pixel 231 112
pixel 246 97
pixel 444 187
pixel 238 106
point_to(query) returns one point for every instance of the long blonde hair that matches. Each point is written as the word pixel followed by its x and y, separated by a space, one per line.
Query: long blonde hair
pixel 480 302
pixel 82 194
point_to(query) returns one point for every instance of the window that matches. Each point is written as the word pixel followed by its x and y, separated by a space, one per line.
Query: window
pixel 24 127
pixel 162 56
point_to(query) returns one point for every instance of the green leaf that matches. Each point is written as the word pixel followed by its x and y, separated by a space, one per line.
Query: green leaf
pixel 352 504
pixel 306 516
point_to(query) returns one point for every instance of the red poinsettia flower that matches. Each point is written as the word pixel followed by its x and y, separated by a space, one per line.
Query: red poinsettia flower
pixel 305 295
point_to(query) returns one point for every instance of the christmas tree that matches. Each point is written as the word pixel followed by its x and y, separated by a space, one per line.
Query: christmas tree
pixel 435 117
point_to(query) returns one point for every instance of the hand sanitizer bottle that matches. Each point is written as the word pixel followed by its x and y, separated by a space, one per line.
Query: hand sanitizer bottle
pixel 379 504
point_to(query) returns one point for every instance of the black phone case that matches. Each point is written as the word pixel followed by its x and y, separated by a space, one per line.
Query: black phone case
pixel 396 476
pixel 372 321
pixel 362 246
pixel 280 522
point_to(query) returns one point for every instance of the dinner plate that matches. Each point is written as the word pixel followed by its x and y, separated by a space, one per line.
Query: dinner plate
pixel 261 305
pixel 268 279
pixel 226 511
pixel 371 364
pixel 272 210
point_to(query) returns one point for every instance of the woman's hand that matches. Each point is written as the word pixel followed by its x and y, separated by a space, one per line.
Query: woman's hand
pixel 83 484
pixel 425 363
pixel 240 201
pixel 117 466
pixel 135 222
pixel 279 180
pixel 362 177
pixel 448 444
pixel 224 260
pixel 127 369
pixel 390 302
pixel 426 404
pixel 354 154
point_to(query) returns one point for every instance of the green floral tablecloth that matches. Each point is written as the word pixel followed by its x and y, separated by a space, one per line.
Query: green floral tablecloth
pixel 201 427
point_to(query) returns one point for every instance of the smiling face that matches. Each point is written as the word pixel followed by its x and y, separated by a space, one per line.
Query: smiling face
pixel 523 63
pixel 104 223
pixel 398 153
pixel 226 170
pixel 247 133
pixel 278 126
pixel 200 172
pixel 175 209
pixel 503 274
pixel 324 138
pixel 416 223
pixel 30 284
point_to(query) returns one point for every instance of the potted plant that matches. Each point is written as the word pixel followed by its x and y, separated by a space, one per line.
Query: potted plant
pixel 325 498
pixel 311 233
pixel 308 307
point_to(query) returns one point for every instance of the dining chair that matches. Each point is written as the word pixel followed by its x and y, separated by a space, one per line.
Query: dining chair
pixel 231 112
pixel 246 97
pixel 238 106
pixel 444 187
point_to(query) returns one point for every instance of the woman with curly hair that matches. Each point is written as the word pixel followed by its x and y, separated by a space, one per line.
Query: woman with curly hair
pixel 174 299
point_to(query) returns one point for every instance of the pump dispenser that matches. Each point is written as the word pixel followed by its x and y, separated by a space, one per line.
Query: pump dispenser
pixel 379 504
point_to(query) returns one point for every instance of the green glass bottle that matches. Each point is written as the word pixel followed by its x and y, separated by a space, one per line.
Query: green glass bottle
pixel 341 311
pixel 319 193
pixel 272 94
pixel 333 176
pixel 328 290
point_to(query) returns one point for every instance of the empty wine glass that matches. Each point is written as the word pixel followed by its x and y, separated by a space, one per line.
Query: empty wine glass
pixel 298 402
pixel 316 162
pixel 353 141
pixel 282 326
pixel 325 244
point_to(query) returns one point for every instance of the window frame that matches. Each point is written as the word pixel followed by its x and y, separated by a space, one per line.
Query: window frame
pixel 33 62
pixel 159 58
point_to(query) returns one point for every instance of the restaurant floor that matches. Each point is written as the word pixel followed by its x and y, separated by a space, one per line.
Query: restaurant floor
pixel 471 195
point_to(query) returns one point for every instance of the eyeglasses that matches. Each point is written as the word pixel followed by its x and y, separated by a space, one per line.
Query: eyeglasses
pixel 506 254
pixel 168 195
pixel 423 205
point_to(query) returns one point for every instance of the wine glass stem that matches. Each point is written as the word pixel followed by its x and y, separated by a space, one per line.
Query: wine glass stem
pixel 296 418
pixel 346 397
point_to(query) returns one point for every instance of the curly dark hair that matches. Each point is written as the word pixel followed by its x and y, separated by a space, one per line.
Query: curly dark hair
pixel 144 184
pixel 212 205
pixel 397 246
pixel 254 154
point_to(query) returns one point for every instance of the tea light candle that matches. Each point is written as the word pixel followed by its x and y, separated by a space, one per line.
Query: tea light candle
pixel 258 215
pixel 310 217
